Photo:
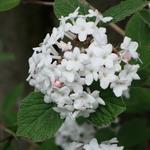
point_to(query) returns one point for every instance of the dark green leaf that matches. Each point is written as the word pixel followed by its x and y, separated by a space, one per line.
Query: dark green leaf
pixel 104 115
pixel 8 4
pixel 105 134
pixel 145 16
pixel 48 145
pixel 65 7
pixel 134 132
pixel 6 56
pixel 125 9
pixel 9 107
pixel 140 32
pixel 139 100
pixel 36 119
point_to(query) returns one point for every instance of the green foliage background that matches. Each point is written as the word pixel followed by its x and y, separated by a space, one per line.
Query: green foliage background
pixel 133 130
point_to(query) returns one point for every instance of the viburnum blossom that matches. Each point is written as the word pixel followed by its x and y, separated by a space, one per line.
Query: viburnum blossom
pixel 72 136
pixel 75 56
pixel 129 49
pixel 106 145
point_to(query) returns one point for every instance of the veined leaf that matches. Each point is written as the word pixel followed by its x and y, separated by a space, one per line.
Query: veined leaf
pixel 145 16
pixel 140 32
pixel 65 7
pixel 48 145
pixel 104 115
pixel 36 119
pixel 125 9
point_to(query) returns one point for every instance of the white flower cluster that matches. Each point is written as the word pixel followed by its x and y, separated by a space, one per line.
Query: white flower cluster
pixel 76 54
pixel 72 136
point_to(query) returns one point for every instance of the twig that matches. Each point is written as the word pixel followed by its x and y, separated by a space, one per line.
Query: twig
pixel 38 2
pixel 8 131
pixel 117 29
pixel 113 25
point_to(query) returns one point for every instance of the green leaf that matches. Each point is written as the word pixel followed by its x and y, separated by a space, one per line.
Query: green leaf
pixel 9 107
pixel 6 56
pixel 134 132
pixel 145 16
pixel 65 7
pixel 104 115
pixel 105 134
pixel 8 4
pixel 139 100
pixel 36 119
pixel 48 145
pixel 140 32
pixel 125 9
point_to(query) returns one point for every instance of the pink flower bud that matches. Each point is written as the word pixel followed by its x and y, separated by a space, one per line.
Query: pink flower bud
pixel 58 84
pixel 127 56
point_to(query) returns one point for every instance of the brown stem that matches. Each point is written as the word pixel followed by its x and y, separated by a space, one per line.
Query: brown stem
pixel 39 2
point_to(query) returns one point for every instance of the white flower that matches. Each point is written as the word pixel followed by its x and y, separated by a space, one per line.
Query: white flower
pixel 131 47
pixel 65 69
pixel 71 135
pixel 106 77
pixel 100 36
pixel 119 86
pixel 93 145
pixel 64 27
pixel 91 74
pixel 64 73
pixel 130 72
pixel 104 53
pixel 41 71
pixel 39 60
pixel 82 28
pixel 75 59
pixel 61 96
pixel 110 145
pixel 95 94
pixel 99 17
pixel 107 145
pixel 74 14
pixel 54 36
pixel 42 80
pixel 64 111
pixel 76 85
pixel 64 46
pixel 85 102
pixel 73 146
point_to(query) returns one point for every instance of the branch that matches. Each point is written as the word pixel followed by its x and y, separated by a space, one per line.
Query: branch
pixel 38 2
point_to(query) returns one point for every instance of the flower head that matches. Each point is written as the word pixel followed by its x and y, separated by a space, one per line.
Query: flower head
pixel 77 54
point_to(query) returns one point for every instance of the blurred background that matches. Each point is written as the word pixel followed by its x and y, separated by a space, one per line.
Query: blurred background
pixel 21 29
